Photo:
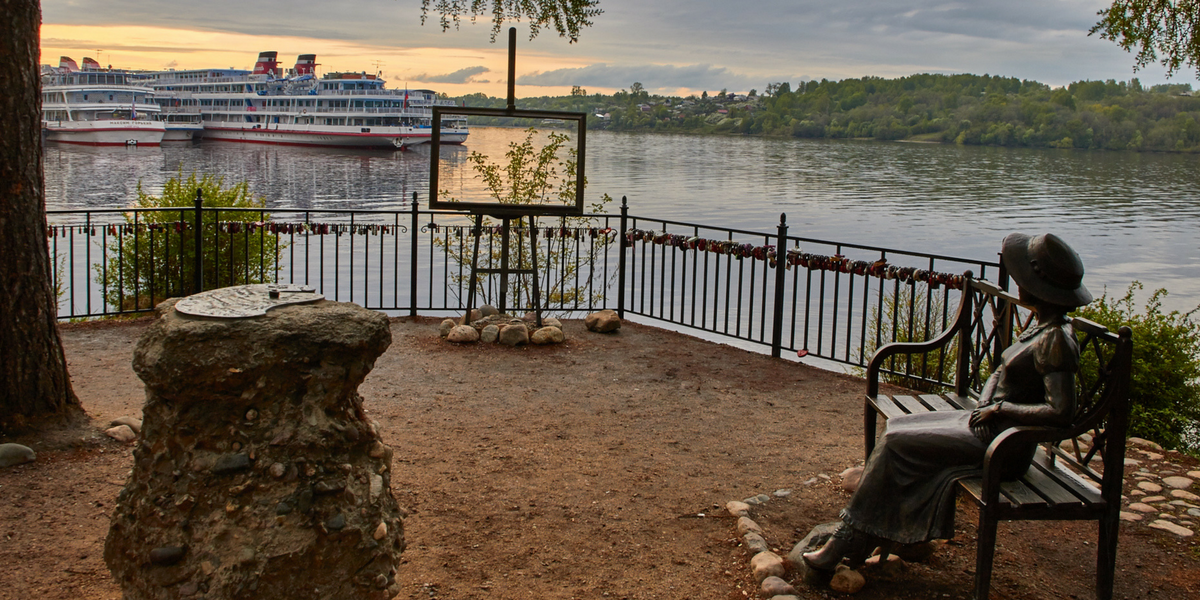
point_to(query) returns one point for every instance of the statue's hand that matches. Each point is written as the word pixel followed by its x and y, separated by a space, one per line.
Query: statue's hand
pixel 983 414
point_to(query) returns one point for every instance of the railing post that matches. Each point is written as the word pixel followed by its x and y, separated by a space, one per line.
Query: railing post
pixel 780 276
pixel 621 259
pixel 412 271
pixel 198 259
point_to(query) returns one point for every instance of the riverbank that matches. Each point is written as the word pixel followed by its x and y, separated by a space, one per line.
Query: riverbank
pixel 574 471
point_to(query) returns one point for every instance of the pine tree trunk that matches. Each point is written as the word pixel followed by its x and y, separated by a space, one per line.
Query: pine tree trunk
pixel 34 387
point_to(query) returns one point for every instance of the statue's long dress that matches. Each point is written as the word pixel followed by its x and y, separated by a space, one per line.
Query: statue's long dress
pixel 906 493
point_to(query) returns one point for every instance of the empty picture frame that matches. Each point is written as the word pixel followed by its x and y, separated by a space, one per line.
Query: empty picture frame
pixel 500 209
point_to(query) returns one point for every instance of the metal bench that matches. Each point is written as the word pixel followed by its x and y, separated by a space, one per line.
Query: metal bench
pixel 1078 471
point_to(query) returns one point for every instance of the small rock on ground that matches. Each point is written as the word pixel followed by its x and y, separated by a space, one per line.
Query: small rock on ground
pixel 1179 483
pixel 1153 488
pixel 489 334
pixel 1171 528
pixel 133 423
pixel 776 586
pixel 755 543
pixel 463 334
pixel 514 335
pixel 747 525
pixel 1137 441
pixel 15 454
pixel 446 326
pixel 1185 495
pixel 604 321
pixel 850 478
pixel 1129 516
pixel 766 564
pixel 1142 507
pixel 737 508
pixel 121 433
pixel 547 335
pixel 847 581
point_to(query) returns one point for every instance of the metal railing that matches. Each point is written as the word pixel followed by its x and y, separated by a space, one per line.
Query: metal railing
pixel 834 300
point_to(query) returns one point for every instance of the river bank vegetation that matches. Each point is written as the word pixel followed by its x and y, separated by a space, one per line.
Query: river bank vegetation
pixel 963 109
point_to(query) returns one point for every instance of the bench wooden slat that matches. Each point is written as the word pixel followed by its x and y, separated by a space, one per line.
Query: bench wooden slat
pixel 910 404
pixel 974 487
pixel 1072 482
pixel 884 405
pixel 1051 489
pixel 1021 496
pixel 936 402
pixel 962 402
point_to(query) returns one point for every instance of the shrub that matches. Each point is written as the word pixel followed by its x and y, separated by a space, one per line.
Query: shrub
pixel 152 257
pixel 1165 386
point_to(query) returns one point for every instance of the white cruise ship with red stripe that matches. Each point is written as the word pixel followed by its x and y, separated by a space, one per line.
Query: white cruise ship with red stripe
pixel 97 106
pixel 269 106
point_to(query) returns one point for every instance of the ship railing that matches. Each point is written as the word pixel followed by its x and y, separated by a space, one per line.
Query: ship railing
pixel 764 288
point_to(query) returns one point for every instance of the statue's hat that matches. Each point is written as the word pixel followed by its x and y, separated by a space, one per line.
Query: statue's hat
pixel 1045 266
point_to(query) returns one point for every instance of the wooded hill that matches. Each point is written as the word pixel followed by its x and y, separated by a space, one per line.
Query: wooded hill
pixel 964 109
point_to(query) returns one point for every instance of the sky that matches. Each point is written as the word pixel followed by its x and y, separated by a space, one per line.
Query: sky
pixel 669 46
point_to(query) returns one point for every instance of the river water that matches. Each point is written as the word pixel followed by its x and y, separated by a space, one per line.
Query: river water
pixel 1130 216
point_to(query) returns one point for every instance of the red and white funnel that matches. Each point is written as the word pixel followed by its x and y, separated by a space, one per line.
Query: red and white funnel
pixel 267 64
pixel 306 64
pixel 90 64
pixel 68 63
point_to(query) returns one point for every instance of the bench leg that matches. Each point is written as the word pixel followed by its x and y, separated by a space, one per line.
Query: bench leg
pixel 1106 557
pixel 984 553
pixel 869 419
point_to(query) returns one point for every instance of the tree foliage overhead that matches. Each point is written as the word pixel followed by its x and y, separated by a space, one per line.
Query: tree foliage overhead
pixel 1166 31
pixel 567 17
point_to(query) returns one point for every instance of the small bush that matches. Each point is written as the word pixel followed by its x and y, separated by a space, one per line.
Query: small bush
pixel 1165 386
pixel 152 257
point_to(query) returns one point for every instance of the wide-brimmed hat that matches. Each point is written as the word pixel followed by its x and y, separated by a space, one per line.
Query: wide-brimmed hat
pixel 1045 266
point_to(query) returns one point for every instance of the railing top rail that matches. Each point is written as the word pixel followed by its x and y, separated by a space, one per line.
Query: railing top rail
pixel 855 246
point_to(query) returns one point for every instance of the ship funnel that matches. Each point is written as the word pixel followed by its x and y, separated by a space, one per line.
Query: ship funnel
pixel 306 64
pixel 267 65
pixel 90 64
pixel 66 62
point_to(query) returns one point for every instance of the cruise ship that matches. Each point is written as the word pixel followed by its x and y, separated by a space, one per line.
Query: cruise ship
pixel 271 106
pixel 98 106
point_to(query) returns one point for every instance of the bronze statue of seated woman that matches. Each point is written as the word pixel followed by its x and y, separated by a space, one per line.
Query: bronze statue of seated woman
pixel 906 493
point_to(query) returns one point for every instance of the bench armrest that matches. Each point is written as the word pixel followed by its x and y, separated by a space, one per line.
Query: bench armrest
pixel 1009 441
pixel 962 321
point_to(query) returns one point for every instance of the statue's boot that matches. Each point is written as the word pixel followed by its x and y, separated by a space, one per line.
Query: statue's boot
pixel 845 543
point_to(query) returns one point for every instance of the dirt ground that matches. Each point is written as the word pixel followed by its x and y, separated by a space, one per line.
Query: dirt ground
pixel 574 471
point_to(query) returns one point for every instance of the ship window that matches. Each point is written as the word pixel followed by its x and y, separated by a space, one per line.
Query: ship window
pixel 110 96
pixel 85 96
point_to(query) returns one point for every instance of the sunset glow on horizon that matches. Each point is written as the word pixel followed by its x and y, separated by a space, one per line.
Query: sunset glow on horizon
pixel 157 48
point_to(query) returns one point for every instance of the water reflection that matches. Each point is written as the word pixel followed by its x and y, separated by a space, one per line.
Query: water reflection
pixel 1131 216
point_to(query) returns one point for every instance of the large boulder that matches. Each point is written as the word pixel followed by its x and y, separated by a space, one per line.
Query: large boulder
pixel 258 475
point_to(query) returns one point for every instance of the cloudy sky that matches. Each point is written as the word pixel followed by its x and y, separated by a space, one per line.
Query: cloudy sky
pixel 670 46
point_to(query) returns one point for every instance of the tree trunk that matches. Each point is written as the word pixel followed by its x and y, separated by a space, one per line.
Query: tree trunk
pixel 34 387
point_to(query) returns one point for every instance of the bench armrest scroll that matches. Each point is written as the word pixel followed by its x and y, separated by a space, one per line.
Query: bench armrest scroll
pixel 962 321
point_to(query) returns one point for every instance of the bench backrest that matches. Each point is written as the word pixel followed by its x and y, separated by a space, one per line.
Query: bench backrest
pixel 1102 406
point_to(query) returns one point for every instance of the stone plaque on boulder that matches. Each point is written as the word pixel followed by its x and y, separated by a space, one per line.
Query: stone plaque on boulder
pixel 258 475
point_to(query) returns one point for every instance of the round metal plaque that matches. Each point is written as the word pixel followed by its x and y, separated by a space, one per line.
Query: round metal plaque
pixel 239 302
